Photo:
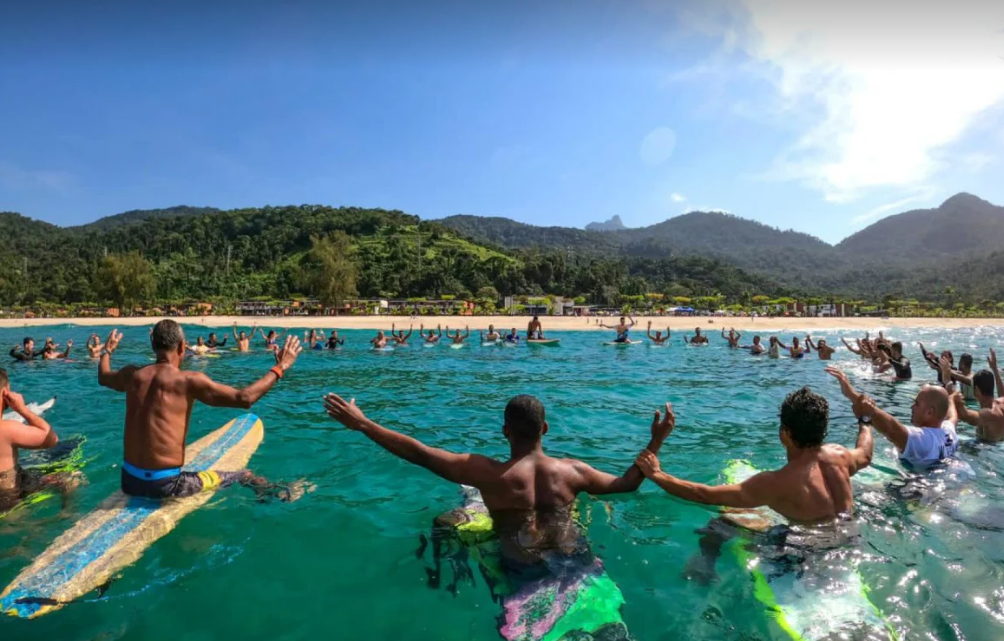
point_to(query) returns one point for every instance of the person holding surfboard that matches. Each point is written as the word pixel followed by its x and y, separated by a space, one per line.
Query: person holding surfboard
pixel 622 328
pixel 658 339
pixel 159 400
pixel 243 341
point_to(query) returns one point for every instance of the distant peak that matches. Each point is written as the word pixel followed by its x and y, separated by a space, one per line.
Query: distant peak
pixel 962 198
pixel 613 224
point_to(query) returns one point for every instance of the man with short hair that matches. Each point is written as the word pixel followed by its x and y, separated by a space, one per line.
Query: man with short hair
pixel 243 340
pixel 534 330
pixel 697 339
pixel 892 358
pixel 825 351
pixel 213 343
pixel 732 337
pixel 26 351
pixel 622 328
pixel 989 421
pixel 931 439
pixel 529 496
pixel 159 401
pixel 50 352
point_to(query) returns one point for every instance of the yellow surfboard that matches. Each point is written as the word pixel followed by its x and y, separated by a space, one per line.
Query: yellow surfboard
pixel 117 532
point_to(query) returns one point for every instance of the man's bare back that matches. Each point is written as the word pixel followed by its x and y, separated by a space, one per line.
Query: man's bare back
pixel 814 487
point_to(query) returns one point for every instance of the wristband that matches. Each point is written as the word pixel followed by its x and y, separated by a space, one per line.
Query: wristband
pixel 277 371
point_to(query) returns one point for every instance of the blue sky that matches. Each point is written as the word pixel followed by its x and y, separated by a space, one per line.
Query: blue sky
pixel 562 113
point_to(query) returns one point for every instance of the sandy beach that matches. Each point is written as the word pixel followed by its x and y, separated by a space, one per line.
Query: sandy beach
pixel 550 323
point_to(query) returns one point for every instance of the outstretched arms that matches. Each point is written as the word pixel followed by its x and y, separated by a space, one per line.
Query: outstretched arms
pixel 884 422
pixel 753 492
pixel 206 390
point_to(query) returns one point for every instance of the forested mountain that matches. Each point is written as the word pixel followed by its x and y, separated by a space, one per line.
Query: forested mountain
pixel 513 235
pixel 139 215
pixel 315 250
pixel 614 224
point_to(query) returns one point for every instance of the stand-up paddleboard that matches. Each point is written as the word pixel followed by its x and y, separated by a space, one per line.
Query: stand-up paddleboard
pixel 582 603
pixel 811 602
pixel 553 342
pixel 36 408
pixel 436 344
pixel 117 532
pixel 622 343
pixel 457 345
pixel 388 348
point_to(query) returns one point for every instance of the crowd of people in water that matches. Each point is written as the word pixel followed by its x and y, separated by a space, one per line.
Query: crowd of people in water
pixel 530 486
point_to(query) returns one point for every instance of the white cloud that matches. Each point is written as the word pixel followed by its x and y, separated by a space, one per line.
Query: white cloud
pixel 657 146
pixel 886 86
pixel 896 206
pixel 677 198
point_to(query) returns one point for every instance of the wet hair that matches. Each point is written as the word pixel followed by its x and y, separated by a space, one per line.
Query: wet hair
pixel 524 416
pixel 966 360
pixel 27 339
pixel 806 416
pixel 4 381
pixel 898 347
pixel 983 380
pixel 166 336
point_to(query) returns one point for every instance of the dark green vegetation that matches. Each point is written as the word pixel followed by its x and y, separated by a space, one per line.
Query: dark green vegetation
pixel 188 254
pixel 917 254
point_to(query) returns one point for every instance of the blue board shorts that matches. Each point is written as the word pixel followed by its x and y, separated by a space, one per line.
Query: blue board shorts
pixel 175 485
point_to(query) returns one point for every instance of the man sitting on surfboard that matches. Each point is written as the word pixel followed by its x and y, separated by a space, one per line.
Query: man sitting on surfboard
pixel 243 340
pixel 94 346
pixel 213 343
pixel 492 336
pixel 159 400
pixel 380 341
pixel 400 338
pixel 757 348
pixel 698 338
pixel 530 495
pixel 333 341
pixel 432 337
pixel 200 348
pixel 622 328
pixel 457 337
pixel 733 337
pixel 813 486
pixel 824 350
pixel 658 339
pixel 512 336
pixel 34 434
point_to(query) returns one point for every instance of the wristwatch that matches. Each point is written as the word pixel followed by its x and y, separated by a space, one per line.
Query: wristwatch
pixel 865 420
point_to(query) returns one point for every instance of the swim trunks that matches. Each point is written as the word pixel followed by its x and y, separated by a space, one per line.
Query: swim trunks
pixel 173 483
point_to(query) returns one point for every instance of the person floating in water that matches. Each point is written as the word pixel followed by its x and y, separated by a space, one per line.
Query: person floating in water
pixel 825 351
pixel 534 330
pixel 989 421
pixel 813 487
pixel 432 338
pixel 213 343
pixel 757 348
pixel 400 338
pixel 697 339
pixel 94 346
pixel 380 342
pixel 492 336
pixel 243 340
pixel 271 340
pixel 622 328
pixel 159 400
pixel 34 433
pixel 26 350
pixel 333 341
pixel 530 495
pixel 931 439
pixel 796 351
pixel 315 339
pixel 457 337
pixel 732 337
pixel 658 339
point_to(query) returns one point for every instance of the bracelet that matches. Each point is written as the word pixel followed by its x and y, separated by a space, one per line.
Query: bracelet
pixel 277 371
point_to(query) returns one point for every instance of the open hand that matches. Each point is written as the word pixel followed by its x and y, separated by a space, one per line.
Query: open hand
pixel 113 340
pixel 662 426
pixel 345 412
pixel 13 400
pixel 845 384
pixel 648 463
pixel 286 356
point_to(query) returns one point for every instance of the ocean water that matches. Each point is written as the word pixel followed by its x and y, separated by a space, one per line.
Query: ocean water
pixel 342 563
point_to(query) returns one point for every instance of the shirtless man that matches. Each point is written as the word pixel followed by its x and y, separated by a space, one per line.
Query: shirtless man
pixel 400 338
pixel 930 439
pixel 698 338
pixel 94 346
pixel 380 341
pixel 530 496
pixel 813 486
pixel 159 401
pixel 213 343
pixel 51 352
pixel 622 328
pixel 825 351
pixel 534 329
pixel 457 337
pixel 733 337
pixel 757 348
pixel 432 338
pixel 658 339
pixel 491 336
pixel 243 341
pixel 34 434
pixel 989 421
pixel 333 341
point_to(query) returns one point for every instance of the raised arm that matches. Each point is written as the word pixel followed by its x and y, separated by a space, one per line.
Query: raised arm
pixel 855 350
pixel 116 380
pixel 467 331
pixel 35 433
pixel 966 415
pixel 864 449
pixel 596 482
pixel 205 390
pixel 723 333
pixel 648 332
pixel 69 346
pixel 992 363
pixel 808 342
pixel 410 329
pixel 468 469
pixel 753 492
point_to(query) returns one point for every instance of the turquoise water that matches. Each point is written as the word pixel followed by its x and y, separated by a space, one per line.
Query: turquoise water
pixel 341 563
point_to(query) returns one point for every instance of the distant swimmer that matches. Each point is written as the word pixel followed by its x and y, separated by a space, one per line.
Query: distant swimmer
pixel 732 337
pixel 26 351
pixel 963 376
pixel 934 362
pixel 159 400
pixel 622 329
pixel 400 338
pixel 380 341
pixel 94 346
pixel 796 351
pixel 200 348
pixel 697 339
pixel 774 350
pixel 530 496
pixel 333 341
pixel 989 421
pixel 491 336
pixel 757 348
pixel 931 439
pixel 813 487
pixel 35 433
pixel 512 336
pixel 242 339
pixel 315 339
pixel 534 329
pixel 658 339
pixel 457 337
pixel 891 358
pixel 860 350
pixel 51 351
pixel 825 351
pixel 432 338
pixel 271 340
pixel 213 343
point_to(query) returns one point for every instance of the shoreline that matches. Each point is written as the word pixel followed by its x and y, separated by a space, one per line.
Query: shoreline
pixel 550 323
